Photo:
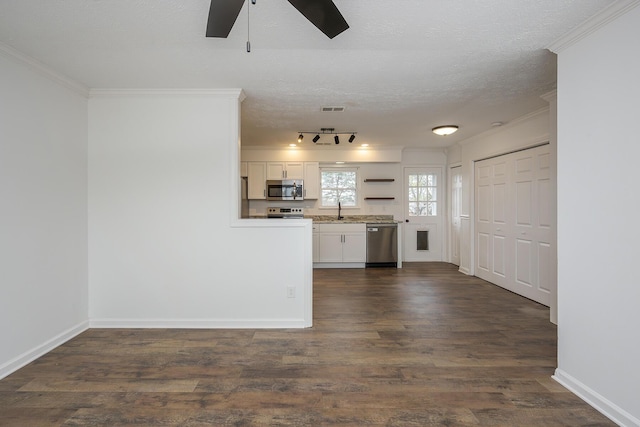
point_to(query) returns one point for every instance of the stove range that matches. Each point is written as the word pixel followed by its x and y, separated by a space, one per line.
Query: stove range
pixel 285 212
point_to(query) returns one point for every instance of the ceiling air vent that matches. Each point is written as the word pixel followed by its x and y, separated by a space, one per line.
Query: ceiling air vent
pixel 332 109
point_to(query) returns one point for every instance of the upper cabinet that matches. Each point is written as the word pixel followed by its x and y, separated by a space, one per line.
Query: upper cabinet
pixel 311 180
pixel 260 172
pixel 285 170
pixel 257 181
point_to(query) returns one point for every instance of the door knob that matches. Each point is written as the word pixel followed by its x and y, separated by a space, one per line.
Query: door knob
pixel 406 220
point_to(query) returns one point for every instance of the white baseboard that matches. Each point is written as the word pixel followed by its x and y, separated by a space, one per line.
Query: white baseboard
pixel 464 270
pixel 339 265
pixel 200 323
pixel 36 352
pixel 599 402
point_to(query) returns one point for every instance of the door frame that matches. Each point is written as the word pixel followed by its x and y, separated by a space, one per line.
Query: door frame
pixel 471 235
pixel 470 163
pixel 448 222
pixel 443 208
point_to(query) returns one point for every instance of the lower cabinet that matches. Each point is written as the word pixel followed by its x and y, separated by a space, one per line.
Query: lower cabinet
pixel 341 243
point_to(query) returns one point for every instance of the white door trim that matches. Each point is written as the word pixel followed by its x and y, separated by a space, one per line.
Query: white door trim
pixel 450 208
pixel 435 226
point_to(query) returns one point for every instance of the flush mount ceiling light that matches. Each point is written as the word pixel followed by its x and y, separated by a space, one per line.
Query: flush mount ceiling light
pixel 327 131
pixel 445 130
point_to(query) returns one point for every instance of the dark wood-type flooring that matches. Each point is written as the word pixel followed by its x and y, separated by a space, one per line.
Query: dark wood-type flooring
pixel 420 346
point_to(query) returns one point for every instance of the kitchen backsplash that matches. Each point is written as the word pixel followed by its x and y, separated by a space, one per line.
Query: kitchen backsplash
pixel 357 218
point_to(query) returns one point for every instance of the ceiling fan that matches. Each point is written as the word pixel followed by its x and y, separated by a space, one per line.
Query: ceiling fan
pixel 322 13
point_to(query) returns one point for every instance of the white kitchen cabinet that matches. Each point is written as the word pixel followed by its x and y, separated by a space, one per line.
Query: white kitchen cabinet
pixel 330 247
pixel 354 246
pixel 342 243
pixel 257 177
pixel 275 170
pixel 311 180
pixel 285 170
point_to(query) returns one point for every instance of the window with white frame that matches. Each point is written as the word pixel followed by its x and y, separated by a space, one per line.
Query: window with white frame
pixel 423 195
pixel 339 185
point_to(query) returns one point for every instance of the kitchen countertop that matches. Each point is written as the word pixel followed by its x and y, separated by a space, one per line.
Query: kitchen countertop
pixel 353 219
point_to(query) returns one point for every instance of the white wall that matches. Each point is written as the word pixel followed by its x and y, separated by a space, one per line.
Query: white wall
pixel 598 233
pixel 43 225
pixel 165 245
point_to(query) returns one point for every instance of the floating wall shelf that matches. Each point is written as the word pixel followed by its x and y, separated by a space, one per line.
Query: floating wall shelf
pixel 379 198
pixel 379 180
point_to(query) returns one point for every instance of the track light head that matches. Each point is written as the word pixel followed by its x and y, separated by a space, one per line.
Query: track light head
pixel 316 138
pixel 336 139
pixel 352 137
pixel 300 137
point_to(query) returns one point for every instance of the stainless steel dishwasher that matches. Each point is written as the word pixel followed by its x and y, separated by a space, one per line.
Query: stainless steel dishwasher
pixel 382 245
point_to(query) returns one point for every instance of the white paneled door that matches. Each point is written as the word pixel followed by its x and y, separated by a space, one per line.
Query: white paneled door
pixel 424 213
pixel 513 222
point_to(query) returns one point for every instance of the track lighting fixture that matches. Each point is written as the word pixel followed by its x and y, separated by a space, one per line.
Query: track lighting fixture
pixel 329 131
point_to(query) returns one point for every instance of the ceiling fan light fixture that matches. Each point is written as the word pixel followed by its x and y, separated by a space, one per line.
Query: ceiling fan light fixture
pixel 316 138
pixel 322 13
pixel 445 130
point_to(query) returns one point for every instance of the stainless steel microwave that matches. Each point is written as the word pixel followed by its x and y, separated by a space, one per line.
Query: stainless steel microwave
pixel 285 189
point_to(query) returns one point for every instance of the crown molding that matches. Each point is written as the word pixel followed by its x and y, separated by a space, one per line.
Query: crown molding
pixel 79 88
pixel 599 20
pixel 550 96
pixel 108 93
pixel 43 69
pixel 508 125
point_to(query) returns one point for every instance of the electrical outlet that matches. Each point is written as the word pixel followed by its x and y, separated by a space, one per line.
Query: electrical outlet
pixel 291 292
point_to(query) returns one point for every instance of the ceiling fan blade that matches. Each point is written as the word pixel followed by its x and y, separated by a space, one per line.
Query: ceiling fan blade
pixel 323 14
pixel 222 16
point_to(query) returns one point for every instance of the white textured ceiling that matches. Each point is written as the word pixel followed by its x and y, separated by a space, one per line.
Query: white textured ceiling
pixel 403 66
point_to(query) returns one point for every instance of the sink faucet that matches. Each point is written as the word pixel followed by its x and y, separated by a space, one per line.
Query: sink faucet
pixel 339 209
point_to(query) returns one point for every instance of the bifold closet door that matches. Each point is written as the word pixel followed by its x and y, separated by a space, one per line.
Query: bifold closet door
pixel 513 222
